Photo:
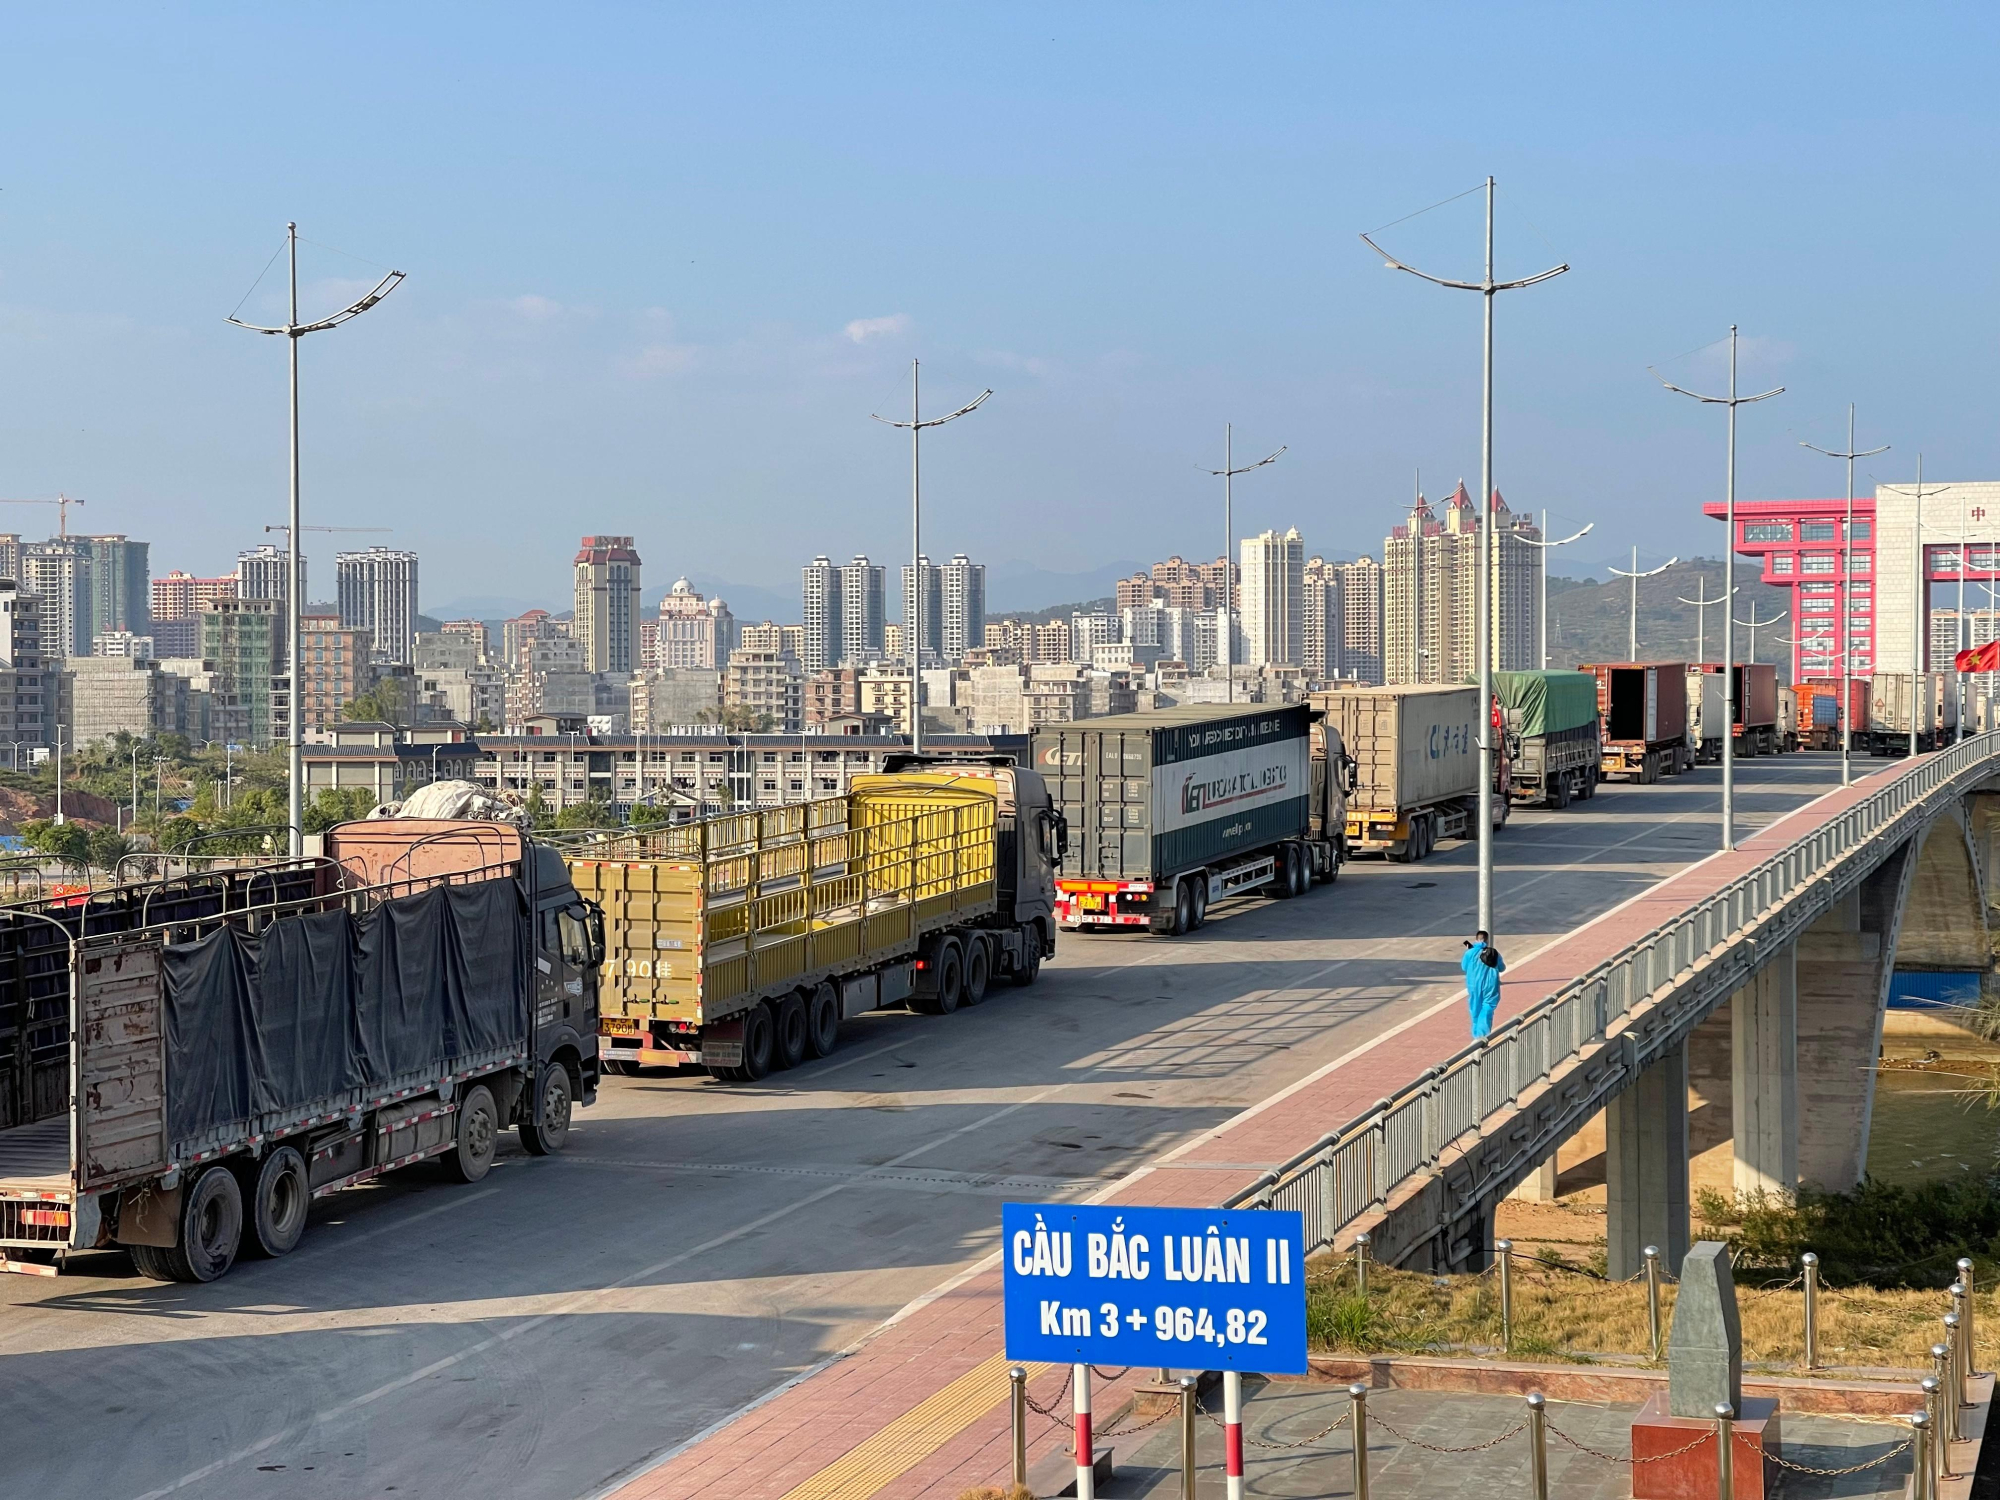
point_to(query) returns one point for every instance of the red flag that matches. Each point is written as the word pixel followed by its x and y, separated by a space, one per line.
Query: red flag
pixel 1984 658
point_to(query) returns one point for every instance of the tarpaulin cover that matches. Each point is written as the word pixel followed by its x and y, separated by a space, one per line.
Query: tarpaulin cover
pixel 1547 702
pixel 319 1005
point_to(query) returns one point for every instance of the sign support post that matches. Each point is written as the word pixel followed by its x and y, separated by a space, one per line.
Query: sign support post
pixel 1086 1466
pixel 1232 1431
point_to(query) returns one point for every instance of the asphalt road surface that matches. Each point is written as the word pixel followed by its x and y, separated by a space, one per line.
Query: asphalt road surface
pixel 570 1318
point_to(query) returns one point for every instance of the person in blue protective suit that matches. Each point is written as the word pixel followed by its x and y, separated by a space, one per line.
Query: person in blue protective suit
pixel 1483 967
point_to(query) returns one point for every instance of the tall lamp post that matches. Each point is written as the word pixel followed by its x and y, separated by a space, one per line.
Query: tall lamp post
pixel 1632 625
pixel 1701 602
pixel 1732 401
pixel 1487 288
pixel 1847 591
pixel 1919 594
pixel 1755 624
pixel 1545 547
pixel 293 330
pixel 1227 473
pixel 916 425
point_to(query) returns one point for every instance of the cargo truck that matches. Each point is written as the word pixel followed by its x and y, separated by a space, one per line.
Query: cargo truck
pixel 1788 721
pixel 185 1065
pixel 1706 714
pixel 1173 810
pixel 742 943
pixel 1755 724
pixel 1552 735
pixel 1415 775
pixel 1820 719
pixel 1644 709
pixel 1889 712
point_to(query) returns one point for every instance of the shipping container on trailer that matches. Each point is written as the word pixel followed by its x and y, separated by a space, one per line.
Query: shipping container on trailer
pixel 742 943
pixel 1644 710
pixel 1890 705
pixel 1415 777
pixel 1788 720
pixel 1552 735
pixel 186 1064
pixel 1172 810
pixel 1706 714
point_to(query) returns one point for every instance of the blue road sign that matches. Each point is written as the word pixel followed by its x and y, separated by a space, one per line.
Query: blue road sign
pixel 1189 1288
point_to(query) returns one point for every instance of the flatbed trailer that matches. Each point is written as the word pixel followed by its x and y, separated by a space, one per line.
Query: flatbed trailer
pixel 185 1065
pixel 742 943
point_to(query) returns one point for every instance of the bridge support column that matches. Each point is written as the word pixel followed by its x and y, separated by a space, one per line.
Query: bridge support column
pixel 1646 1167
pixel 1539 1186
pixel 1764 1091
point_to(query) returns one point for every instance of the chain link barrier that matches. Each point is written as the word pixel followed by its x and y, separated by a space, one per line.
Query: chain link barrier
pixel 1515 1431
pixel 1256 1442
pixel 1621 1458
pixel 1873 1463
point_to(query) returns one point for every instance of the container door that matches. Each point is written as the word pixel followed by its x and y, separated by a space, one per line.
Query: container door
pixel 1652 704
pixel 121 1062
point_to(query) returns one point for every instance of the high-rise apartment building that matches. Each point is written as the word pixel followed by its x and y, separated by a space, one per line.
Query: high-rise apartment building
pixel 58 572
pixel 1358 651
pixel 519 633
pixel 474 631
pixel 265 572
pixel 607 603
pixel 178 600
pixel 862 613
pixel 120 584
pixel 335 668
pixel 923 591
pixel 692 631
pixel 819 591
pixel 243 650
pixel 378 593
pixel 1273 592
pixel 10 554
pixel 964 606
pixel 1430 572
pixel 98 697
pixel 768 684
pixel 25 719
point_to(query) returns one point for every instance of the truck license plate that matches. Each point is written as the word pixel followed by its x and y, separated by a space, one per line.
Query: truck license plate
pixel 619 1026
pixel 1091 903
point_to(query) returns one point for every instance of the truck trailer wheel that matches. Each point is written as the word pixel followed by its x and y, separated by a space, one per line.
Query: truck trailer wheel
pixel 788 1031
pixel 211 1229
pixel 823 1021
pixel 978 970
pixel 1029 969
pixel 950 965
pixel 1559 795
pixel 471 1158
pixel 279 1200
pixel 1199 885
pixel 546 1125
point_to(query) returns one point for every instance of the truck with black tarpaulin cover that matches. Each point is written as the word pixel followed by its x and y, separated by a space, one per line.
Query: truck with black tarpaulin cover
pixel 1174 809
pixel 186 1064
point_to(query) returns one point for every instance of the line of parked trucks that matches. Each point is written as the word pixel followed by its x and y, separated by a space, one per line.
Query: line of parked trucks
pixel 186 1064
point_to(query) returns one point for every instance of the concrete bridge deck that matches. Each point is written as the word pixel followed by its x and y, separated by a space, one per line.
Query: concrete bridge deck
pixel 919 1409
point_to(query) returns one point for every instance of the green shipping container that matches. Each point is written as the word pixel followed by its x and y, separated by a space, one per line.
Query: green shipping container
pixel 1540 703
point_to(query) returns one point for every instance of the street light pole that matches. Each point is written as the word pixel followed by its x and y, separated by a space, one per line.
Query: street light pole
pixel 1545 547
pixel 1701 601
pixel 1919 597
pixel 1228 472
pixel 915 627
pixel 1488 288
pixel 1732 401
pixel 1753 622
pixel 1847 594
pixel 1632 630
pixel 293 330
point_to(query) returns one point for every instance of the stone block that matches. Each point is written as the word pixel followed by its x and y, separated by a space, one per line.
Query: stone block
pixel 1705 1346
pixel 1669 1462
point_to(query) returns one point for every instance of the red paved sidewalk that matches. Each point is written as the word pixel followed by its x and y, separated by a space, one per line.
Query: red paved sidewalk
pixel 782 1448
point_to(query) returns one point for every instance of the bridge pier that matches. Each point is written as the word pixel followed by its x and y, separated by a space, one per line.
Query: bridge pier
pixel 1764 1089
pixel 1646 1166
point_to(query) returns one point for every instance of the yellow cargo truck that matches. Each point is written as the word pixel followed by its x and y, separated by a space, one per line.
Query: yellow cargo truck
pixel 740 943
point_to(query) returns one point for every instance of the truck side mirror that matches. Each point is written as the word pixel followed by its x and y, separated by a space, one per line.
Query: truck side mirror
pixel 1351 772
pixel 594 924
pixel 1058 830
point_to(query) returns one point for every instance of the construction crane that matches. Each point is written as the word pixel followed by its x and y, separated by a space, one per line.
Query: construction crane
pixel 61 500
pixel 282 527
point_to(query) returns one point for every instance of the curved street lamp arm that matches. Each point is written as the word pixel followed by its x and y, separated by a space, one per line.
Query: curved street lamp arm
pixel 1464 286
pixel 1246 468
pixel 1649 573
pixel 971 405
pixel 382 289
pixel 1714 400
pixel 1564 542
pixel 1865 453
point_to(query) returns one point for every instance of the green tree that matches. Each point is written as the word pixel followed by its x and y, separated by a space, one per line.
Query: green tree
pixel 107 847
pixel 650 815
pixel 384 703
pixel 736 718
pixel 63 841
pixel 333 805
pixel 592 814
pixel 536 807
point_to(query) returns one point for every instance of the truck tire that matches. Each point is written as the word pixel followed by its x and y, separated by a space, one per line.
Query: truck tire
pixel 1559 796
pixel 1413 844
pixel 788 1031
pixel 823 1021
pixel 1198 886
pixel 280 1198
pixel 210 1231
pixel 1029 969
pixel 978 969
pixel 950 978
pixel 478 1136
pixel 545 1127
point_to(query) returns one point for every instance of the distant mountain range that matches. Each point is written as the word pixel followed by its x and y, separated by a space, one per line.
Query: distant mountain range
pixel 1589 620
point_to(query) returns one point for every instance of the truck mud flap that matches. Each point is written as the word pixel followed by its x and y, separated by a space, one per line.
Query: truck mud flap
pixel 722 1044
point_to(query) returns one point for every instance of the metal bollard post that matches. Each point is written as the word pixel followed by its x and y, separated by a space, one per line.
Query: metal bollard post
pixel 1538 1447
pixel 1725 1452
pixel 1954 1385
pixel 1361 1244
pixel 1086 1456
pixel 1232 1432
pixel 1961 1308
pixel 1922 1461
pixel 1017 1400
pixel 1505 1249
pixel 1358 1395
pixel 1941 1428
pixel 1965 1318
pixel 1933 1403
pixel 1811 1264
pixel 1652 1254
pixel 1189 1392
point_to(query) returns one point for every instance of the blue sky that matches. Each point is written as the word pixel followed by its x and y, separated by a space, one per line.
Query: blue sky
pixel 664 261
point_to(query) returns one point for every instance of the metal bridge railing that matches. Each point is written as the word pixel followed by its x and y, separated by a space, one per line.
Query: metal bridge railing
pixel 1356 1168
